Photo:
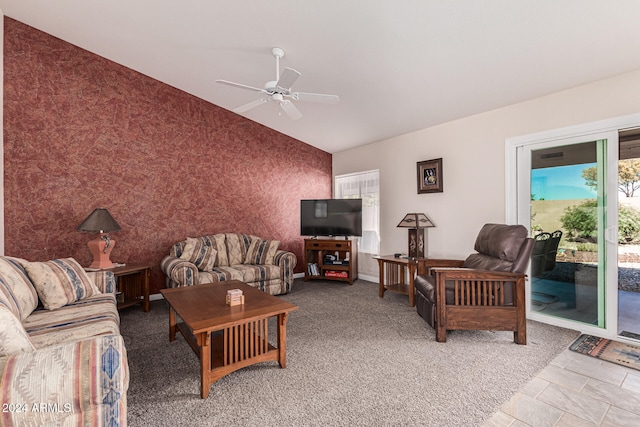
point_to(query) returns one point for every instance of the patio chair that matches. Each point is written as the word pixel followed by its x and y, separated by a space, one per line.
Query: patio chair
pixel 485 291
pixel 539 254
pixel 545 249
pixel 552 250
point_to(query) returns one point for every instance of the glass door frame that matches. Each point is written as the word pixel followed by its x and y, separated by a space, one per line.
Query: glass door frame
pixel 518 195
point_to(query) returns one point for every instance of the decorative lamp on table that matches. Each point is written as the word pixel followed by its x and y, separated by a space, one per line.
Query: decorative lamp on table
pixel 416 223
pixel 100 221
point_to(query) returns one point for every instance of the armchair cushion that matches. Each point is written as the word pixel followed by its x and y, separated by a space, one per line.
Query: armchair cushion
pixel 485 262
pixel 501 241
pixel 60 282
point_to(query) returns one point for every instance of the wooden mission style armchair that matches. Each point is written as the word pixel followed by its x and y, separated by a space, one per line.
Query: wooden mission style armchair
pixel 484 292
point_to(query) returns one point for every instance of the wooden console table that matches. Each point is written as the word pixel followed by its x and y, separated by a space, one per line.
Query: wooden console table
pixel 392 275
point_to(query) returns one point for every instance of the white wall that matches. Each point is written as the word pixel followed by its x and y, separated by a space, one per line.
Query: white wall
pixel 473 152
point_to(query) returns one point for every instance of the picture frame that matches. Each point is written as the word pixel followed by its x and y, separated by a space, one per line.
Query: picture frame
pixel 430 176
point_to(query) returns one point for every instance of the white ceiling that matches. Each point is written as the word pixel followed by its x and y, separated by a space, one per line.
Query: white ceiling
pixel 397 65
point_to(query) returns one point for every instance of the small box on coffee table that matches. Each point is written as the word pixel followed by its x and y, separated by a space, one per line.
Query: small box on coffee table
pixel 234 297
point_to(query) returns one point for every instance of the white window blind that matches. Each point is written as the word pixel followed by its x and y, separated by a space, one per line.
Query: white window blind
pixel 365 186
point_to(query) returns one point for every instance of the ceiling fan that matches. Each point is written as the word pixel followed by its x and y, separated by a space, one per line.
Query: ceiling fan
pixel 279 90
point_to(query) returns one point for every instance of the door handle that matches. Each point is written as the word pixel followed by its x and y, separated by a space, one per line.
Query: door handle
pixel 611 235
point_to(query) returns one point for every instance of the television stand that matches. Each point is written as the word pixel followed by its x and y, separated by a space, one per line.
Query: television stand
pixel 320 266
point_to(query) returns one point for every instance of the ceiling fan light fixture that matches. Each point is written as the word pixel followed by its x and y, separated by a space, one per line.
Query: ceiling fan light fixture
pixel 280 90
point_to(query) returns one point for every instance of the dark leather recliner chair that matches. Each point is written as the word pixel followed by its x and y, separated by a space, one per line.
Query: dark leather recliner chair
pixel 484 292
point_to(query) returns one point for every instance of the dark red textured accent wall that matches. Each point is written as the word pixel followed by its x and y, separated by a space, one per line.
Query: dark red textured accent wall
pixel 82 132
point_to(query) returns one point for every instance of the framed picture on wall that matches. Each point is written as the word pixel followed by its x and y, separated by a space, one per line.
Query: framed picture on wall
pixel 430 176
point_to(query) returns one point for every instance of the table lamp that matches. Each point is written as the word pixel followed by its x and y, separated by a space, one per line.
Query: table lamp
pixel 416 223
pixel 100 221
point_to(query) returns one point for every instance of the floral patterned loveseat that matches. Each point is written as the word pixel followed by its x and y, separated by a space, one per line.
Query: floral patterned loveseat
pixel 230 256
pixel 62 358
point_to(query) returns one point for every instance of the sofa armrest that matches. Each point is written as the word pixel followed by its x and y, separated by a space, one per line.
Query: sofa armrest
pixel 285 258
pixel 67 384
pixel 287 262
pixel 179 272
pixel 105 280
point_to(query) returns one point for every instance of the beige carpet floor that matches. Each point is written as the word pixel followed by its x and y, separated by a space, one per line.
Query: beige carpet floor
pixel 353 359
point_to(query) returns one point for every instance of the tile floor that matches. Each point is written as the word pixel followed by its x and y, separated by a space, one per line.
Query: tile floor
pixel 575 390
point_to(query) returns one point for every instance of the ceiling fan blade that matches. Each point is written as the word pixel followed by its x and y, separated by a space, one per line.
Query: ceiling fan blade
pixel 241 86
pixel 315 97
pixel 287 78
pixel 249 106
pixel 291 110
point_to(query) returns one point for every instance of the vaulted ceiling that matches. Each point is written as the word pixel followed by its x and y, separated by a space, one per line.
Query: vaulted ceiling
pixel 398 66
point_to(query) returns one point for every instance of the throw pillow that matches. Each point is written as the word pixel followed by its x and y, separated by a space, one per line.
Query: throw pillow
pixel 60 282
pixel 13 338
pixel 216 241
pixel 16 288
pixel 196 252
pixel 235 248
pixel 261 252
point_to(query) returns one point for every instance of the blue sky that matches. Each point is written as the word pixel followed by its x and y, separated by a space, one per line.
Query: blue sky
pixel 561 183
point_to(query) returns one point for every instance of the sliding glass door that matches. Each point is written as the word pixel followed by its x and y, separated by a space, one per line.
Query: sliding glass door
pixel 629 234
pixel 568 222
pixel 568 201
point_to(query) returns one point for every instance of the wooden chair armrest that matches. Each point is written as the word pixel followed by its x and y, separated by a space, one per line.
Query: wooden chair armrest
pixel 425 265
pixel 470 273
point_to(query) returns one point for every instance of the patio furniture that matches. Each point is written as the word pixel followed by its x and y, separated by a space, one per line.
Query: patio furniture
pixel 545 249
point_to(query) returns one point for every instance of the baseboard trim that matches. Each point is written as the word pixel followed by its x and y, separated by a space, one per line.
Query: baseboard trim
pixel 368 278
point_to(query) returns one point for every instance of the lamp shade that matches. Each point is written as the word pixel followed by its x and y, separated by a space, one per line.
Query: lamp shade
pixel 99 221
pixel 416 220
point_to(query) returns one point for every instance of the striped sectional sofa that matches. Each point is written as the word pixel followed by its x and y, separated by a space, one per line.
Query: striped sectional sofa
pixel 62 358
pixel 230 256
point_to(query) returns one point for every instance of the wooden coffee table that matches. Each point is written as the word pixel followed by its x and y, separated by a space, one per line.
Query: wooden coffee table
pixel 243 340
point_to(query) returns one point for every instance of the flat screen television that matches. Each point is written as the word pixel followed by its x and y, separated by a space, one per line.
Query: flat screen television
pixel 331 217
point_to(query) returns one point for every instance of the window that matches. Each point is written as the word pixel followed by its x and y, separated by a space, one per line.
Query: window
pixel 365 186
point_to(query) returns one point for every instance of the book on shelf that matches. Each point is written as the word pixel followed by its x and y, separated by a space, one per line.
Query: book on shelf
pixel 312 269
pixel 331 273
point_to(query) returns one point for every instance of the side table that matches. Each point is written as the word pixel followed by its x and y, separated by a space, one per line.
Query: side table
pixel 133 282
pixel 392 275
